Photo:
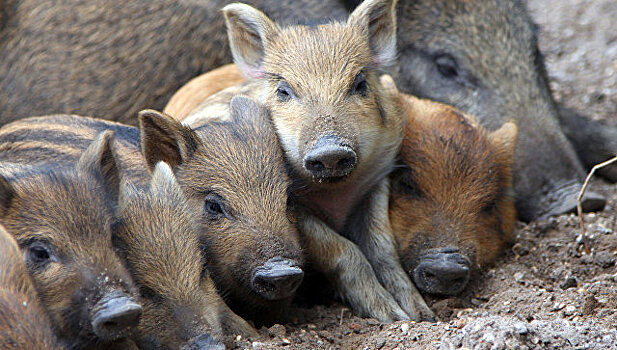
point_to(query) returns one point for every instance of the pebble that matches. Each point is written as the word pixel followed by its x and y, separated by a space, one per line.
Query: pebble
pixel 488 338
pixel 258 345
pixel 569 310
pixel 569 282
pixel 278 330
pixel 520 328
pixel 558 306
pixel 519 277
pixel 460 323
pixel 404 328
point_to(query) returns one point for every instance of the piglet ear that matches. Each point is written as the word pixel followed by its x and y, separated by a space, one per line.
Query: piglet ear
pixel 377 19
pixel 249 30
pixel 7 193
pixel 100 159
pixel 388 84
pixel 163 138
pixel 504 139
pixel 164 180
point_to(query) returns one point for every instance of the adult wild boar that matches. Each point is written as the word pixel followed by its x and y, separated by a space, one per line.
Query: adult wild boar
pixel 114 58
pixel 482 57
pixel 340 133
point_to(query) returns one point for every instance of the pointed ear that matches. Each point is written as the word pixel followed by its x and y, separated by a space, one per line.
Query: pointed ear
pixel 7 193
pixel 165 139
pixel 249 30
pixel 101 158
pixel 388 84
pixel 377 18
pixel 242 107
pixel 505 139
pixel 163 179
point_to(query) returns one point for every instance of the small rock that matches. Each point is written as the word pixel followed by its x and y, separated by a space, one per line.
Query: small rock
pixel 519 277
pixel 569 310
pixel 603 230
pixel 355 326
pixel 604 259
pixel 380 344
pixel 278 330
pixel 520 328
pixel 285 342
pixel 258 345
pixel 404 328
pixel 591 303
pixel 488 338
pixel 520 250
pixel 558 306
pixel 569 282
pixel 460 323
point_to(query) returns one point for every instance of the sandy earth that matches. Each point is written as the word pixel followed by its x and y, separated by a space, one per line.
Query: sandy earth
pixel 545 292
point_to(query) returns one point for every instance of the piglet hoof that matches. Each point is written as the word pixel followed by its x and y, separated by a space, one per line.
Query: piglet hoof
pixel 564 200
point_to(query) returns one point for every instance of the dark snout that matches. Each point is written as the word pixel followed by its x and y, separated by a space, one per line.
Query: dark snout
pixel 443 271
pixel 114 316
pixel 277 278
pixel 203 342
pixel 330 158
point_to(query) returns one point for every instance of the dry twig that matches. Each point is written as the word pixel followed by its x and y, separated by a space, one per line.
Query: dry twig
pixel 579 199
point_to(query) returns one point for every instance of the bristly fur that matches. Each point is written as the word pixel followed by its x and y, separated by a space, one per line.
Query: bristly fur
pixel 23 322
pixel 238 160
pixel 68 210
pixel 455 188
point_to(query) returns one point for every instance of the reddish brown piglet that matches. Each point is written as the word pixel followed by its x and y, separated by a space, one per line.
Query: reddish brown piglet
pixel 452 203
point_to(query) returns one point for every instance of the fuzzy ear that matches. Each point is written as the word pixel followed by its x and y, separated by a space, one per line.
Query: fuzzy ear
pixel 7 193
pixel 244 107
pixel 377 18
pixel 505 138
pixel 165 139
pixel 249 30
pixel 163 178
pixel 388 84
pixel 100 158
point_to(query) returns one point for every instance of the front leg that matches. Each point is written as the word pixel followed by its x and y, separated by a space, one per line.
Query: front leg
pixel 342 262
pixel 370 228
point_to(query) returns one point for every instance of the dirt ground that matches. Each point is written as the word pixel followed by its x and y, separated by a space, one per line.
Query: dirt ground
pixel 545 292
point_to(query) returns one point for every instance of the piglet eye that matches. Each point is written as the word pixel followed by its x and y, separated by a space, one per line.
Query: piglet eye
pixel 39 254
pixel 283 91
pixel 213 206
pixel 359 85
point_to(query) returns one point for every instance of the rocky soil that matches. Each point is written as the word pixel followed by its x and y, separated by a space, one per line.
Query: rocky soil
pixel 546 291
